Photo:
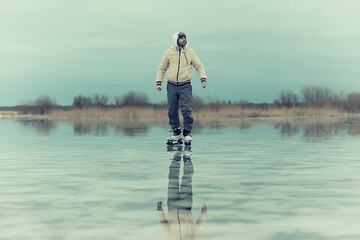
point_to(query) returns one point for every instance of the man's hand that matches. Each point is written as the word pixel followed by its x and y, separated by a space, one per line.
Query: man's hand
pixel 203 84
pixel 204 208
pixel 158 87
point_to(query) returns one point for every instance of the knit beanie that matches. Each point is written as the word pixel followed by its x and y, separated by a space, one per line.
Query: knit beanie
pixel 178 35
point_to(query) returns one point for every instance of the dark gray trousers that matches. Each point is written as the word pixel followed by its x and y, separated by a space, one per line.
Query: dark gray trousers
pixel 180 96
pixel 180 198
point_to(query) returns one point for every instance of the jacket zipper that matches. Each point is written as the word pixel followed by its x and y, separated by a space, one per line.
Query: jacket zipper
pixel 178 217
pixel 177 77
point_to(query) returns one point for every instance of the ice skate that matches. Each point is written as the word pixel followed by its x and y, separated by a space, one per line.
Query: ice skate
pixel 187 152
pixel 176 154
pixel 174 148
pixel 176 138
pixel 187 137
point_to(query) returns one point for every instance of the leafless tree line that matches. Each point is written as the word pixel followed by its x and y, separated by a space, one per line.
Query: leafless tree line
pixel 86 101
pixel 132 98
pixel 310 96
pixel 318 96
pixel 41 105
pixel 45 104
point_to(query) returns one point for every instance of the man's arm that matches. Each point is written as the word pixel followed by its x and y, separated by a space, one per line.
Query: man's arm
pixel 199 67
pixel 200 222
pixel 162 219
pixel 164 64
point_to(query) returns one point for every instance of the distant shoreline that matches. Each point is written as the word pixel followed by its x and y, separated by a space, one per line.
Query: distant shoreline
pixel 137 114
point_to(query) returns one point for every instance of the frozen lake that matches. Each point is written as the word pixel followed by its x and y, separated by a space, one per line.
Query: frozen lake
pixel 263 181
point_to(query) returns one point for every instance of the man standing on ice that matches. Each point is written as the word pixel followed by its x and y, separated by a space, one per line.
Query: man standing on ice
pixel 177 62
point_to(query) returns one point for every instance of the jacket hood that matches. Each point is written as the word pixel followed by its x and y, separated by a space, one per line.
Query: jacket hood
pixel 174 44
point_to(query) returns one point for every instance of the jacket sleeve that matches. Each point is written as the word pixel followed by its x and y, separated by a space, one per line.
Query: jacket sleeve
pixel 198 66
pixel 164 64
pixel 199 223
pixel 163 222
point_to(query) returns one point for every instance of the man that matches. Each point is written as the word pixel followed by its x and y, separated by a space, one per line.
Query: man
pixel 177 62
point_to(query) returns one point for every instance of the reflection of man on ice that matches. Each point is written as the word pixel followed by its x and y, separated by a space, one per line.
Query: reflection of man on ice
pixel 177 63
pixel 179 224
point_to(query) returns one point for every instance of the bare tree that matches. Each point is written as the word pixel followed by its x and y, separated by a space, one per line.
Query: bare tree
pixel 82 101
pixel 132 98
pixel 353 103
pixel 287 98
pixel 100 100
pixel 317 95
pixel 197 103
pixel 42 105
pixel 118 100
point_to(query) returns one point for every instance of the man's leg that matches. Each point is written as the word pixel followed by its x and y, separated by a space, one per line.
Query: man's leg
pixel 185 105
pixel 173 186
pixel 186 193
pixel 173 106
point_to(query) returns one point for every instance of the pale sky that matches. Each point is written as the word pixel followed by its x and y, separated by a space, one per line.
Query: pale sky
pixel 251 49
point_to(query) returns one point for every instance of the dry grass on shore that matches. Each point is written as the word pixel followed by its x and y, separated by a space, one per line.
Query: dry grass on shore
pixel 237 112
pixel 224 114
pixel 9 113
pixel 237 116
pixel 123 115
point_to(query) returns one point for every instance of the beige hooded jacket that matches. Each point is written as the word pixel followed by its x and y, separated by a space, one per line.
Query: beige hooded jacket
pixel 180 224
pixel 177 63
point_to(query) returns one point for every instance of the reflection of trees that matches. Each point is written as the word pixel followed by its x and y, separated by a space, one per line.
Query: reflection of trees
pixel 97 129
pixel 102 129
pixel 317 131
pixel 320 131
pixel 42 126
pixel 288 129
pixel 309 129
pixel 131 131
pixel 82 129
pixel 354 129
pixel 243 125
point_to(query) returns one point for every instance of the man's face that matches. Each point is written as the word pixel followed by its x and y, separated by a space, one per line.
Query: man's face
pixel 181 42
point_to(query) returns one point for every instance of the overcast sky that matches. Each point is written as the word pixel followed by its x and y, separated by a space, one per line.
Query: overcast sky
pixel 251 49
